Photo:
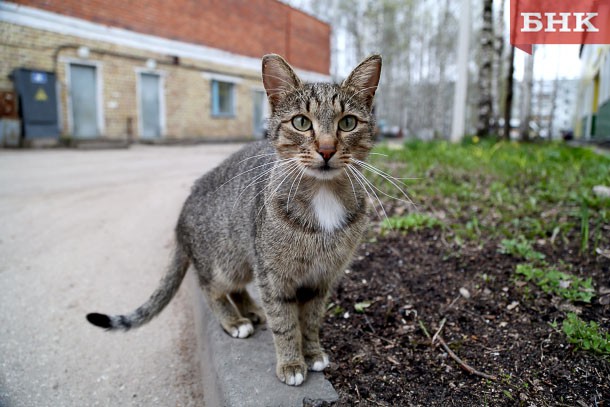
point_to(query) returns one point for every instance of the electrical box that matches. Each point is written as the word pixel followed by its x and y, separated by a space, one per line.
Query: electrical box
pixel 37 103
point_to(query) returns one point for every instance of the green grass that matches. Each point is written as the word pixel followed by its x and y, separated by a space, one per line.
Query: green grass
pixel 411 222
pixel 502 190
pixel 555 282
pixel 586 336
pixel 520 248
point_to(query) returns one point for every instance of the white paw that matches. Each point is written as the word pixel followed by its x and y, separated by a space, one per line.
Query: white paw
pixel 243 331
pixel 295 380
pixel 320 364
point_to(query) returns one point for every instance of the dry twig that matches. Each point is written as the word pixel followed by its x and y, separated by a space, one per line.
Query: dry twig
pixel 465 366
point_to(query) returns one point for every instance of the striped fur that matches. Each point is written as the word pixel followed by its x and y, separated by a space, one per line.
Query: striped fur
pixel 287 213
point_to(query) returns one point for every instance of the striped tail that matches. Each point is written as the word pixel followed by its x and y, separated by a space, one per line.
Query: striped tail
pixel 158 300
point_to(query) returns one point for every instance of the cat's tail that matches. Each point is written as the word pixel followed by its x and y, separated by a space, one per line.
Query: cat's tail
pixel 158 300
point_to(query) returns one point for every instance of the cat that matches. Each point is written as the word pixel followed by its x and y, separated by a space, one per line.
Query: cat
pixel 287 212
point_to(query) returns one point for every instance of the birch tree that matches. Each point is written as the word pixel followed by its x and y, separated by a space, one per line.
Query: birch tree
pixel 485 106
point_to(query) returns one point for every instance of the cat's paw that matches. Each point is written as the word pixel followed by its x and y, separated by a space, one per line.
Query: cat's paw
pixel 242 328
pixel 292 373
pixel 318 362
pixel 257 316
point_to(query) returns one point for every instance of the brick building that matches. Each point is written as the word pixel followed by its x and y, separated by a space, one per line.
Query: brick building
pixel 158 69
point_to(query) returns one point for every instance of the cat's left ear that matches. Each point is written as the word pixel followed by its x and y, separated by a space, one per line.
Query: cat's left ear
pixel 278 78
pixel 365 77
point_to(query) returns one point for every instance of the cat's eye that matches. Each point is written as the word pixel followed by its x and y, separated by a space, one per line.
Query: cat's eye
pixel 301 123
pixel 348 123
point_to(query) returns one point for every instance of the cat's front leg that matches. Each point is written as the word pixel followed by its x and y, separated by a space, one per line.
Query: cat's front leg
pixel 283 320
pixel 311 312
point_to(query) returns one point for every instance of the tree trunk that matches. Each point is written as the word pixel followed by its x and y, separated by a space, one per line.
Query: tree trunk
pixel 526 96
pixel 508 102
pixel 485 71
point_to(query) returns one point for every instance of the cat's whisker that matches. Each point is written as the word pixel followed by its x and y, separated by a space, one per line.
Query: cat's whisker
pixel 289 171
pixel 299 177
pixel 359 178
pixel 376 170
pixel 261 178
pixel 409 201
pixel 249 170
pixel 270 184
pixel 351 183
pixel 256 156
pixel 372 189
pixel 384 155
pixel 388 178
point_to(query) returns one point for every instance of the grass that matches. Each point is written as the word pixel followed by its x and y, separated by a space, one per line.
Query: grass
pixel 555 282
pixel 586 336
pixel 520 248
pixel 502 190
pixel 411 222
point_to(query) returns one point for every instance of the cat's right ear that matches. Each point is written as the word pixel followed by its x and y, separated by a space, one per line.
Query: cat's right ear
pixel 278 78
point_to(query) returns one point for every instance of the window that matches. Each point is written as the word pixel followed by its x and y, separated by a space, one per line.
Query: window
pixel 223 98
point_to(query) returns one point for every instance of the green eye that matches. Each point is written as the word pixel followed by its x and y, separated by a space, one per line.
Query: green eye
pixel 348 123
pixel 301 123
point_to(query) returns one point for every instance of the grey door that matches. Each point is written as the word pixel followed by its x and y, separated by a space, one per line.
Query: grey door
pixel 150 105
pixel 83 95
pixel 258 114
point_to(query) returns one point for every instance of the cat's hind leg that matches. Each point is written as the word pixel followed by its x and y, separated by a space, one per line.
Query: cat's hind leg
pixel 248 307
pixel 228 315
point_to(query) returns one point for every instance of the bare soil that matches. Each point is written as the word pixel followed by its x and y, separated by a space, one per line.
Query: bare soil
pixel 493 322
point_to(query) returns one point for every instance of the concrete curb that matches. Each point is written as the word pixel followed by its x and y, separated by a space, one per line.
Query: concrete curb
pixel 238 372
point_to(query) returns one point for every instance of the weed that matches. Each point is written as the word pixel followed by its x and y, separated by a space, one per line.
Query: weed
pixel 586 336
pixel 520 247
pixel 584 229
pixel 411 222
pixel 555 282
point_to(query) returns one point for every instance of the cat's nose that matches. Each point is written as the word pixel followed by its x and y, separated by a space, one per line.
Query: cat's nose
pixel 327 152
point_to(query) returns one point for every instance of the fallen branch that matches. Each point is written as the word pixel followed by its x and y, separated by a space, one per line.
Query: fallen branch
pixel 465 366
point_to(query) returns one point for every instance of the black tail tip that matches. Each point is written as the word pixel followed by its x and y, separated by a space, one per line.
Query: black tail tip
pixel 101 320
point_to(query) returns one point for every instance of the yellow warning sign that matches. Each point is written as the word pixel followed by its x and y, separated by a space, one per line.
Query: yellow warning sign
pixel 41 95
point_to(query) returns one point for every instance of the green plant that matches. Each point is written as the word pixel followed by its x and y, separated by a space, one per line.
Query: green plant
pixel 555 282
pixel 584 229
pixel 411 222
pixel 520 247
pixel 587 336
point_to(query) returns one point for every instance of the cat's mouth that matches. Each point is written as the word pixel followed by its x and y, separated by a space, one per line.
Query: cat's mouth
pixel 323 171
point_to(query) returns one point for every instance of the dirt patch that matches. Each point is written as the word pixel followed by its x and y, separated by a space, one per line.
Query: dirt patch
pixel 495 324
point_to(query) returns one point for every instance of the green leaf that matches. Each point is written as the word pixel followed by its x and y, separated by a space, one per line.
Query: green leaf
pixel 360 306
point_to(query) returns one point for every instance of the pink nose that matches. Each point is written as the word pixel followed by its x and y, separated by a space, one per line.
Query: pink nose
pixel 327 152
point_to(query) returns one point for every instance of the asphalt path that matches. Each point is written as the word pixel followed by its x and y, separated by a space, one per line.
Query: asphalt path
pixel 84 231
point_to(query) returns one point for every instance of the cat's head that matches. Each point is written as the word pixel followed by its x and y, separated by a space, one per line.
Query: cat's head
pixel 324 126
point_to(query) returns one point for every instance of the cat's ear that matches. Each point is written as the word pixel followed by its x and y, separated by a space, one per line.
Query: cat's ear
pixel 365 77
pixel 278 78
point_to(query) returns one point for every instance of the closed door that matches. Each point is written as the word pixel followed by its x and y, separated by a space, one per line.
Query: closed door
pixel 150 105
pixel 259 101
pixel 83 95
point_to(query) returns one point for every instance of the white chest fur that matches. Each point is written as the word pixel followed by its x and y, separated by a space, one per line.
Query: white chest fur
pixel 328 210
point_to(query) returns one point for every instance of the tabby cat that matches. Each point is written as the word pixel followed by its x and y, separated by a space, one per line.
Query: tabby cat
pixel 287 212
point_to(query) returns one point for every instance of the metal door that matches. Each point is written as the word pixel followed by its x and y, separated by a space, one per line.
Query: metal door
pixel 150 105
pixel 83 96
pixel 259 112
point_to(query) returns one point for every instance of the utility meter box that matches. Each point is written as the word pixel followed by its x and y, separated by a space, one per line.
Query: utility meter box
pixel 37 103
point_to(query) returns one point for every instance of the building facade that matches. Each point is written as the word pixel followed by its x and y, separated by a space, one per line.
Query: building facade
pixel 593 107
pixel 157 70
